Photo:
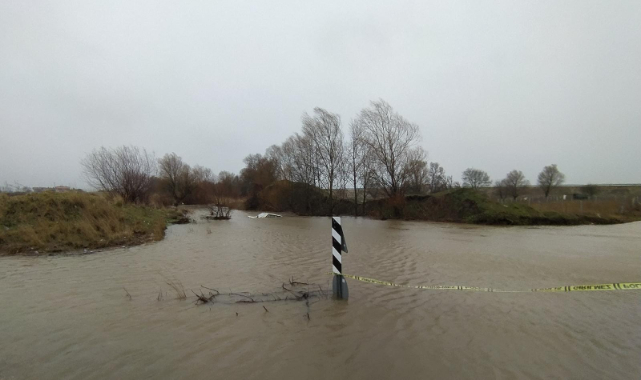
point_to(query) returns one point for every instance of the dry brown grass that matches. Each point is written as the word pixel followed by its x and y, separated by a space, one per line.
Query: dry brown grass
pixel 178 287
pixel 54 222
pixel 234 203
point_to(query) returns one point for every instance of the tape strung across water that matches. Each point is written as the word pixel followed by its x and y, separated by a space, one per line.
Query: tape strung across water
pixel 570 288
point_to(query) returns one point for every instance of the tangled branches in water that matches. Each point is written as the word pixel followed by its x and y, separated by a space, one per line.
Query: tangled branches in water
pixel 292 292
pixel 295 291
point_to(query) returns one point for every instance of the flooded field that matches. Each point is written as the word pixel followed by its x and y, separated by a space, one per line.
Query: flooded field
pixel 70 317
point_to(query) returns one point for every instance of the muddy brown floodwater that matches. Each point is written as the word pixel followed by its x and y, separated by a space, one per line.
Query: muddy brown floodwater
pixel 69 317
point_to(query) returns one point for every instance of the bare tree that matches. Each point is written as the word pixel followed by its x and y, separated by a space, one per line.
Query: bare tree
pixel 343 178
pixel 258 173
pixel 179 178
pixel 361 165
pixel 126 171
pixel 515 182
pixel 355 153
pixel 288 159
pixel 275 154
pixel 390 138
pixel 436 179
pixel 550 178
pixel 500 189
pixel 475 178
pixel 205 187
pixel 417 173
pixel 368 179
pixel 451 184
pixel 202 174
pixel 299 159
pixel 325 131
pixel 228 185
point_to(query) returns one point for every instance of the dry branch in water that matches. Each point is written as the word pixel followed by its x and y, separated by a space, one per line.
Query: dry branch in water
pixel 217 292
pixel 201 298
pixel 292 282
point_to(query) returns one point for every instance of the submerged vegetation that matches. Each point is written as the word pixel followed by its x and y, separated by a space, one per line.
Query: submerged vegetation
pixel 55 222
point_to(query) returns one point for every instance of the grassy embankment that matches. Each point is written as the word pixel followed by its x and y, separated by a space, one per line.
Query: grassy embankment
pixel 55 222
pixel 458 205
pixel 469 206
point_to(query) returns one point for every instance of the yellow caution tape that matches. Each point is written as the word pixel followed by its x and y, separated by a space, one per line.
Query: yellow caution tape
pixel 570 288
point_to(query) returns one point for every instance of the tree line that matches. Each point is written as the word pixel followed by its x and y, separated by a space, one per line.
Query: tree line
pixel 380 154
pixel 137 176
pixel 379 157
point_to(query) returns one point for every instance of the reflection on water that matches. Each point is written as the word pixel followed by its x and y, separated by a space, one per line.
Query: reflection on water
pixel 69 317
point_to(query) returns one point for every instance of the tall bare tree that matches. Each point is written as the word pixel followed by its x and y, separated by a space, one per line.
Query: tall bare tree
pixel 179 178
pixel 550 178
pixel 357 152
pixel 515 182
pixel 126 171
pixel 417 172
pixel 203 174
pixel 258 173
pixel 354 153
pixel 324 128
pixel 361 166
pixel 228 185
pixel 275 154
pixel 437 180
pixel 367 179
pixel 390 139
pixel 475 178
pixel 299 163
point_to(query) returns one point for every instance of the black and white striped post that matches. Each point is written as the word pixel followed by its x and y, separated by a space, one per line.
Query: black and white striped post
pixel 339 284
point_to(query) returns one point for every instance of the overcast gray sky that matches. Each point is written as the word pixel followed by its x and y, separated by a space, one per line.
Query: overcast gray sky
pixel 496 85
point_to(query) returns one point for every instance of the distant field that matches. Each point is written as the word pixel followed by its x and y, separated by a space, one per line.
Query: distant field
pixel 609 200
pixel 604 207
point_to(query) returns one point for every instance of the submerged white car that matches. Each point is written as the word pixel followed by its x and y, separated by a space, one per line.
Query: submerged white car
pixel 265 215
